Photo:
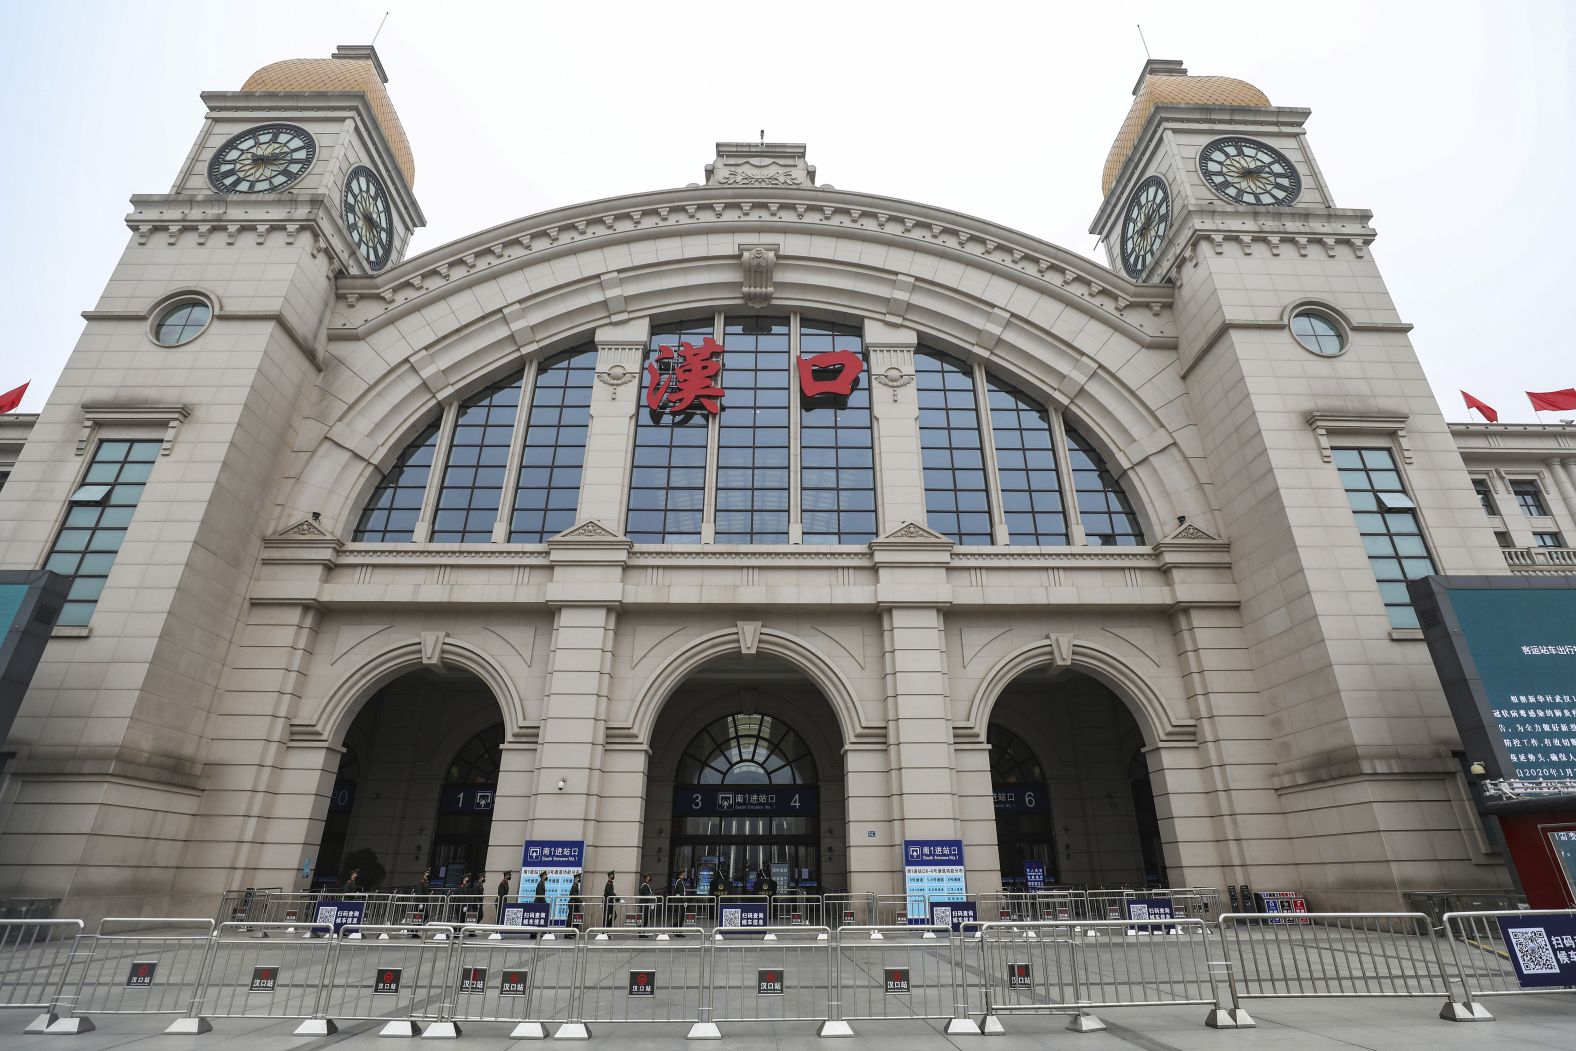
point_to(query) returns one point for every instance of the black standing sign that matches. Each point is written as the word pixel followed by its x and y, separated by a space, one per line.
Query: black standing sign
pixel 473 979
pixel 265 978
pixel 897 980
pixel 642 983
pixel 386 980
pixel 514 982
pixel 141 974
pixel 1020 976
pixel 769 981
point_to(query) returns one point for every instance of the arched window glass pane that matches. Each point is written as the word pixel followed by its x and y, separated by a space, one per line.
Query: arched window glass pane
pixel 957 501
pixel 1011 759
pixel 752 446
pixel 478 459
pixel 667 485
pixel 555 447
pixel 746 750
pixel 390 516
pixel 1108 517
pixel 836 452
pixel 1031 492
pixel 478 760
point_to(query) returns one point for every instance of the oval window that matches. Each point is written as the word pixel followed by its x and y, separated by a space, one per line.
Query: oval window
pixel 182 323
pixel 1318 332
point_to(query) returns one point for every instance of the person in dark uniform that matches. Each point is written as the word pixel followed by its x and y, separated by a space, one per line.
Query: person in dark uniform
pixel 353 882
pixel 648 908
pixel 676 908
pixel 540 895
pixel 503 896
pixel 577 907
pixel 607 899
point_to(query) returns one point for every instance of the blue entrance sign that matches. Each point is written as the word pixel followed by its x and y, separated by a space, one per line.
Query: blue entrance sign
pixel 1021 799
pixel 932 871
pixel 337 914
pixel 527 914
pixel 1542 949
pixel 742 914
pixel 1150 909
pixel 764 800
pixel 561 860
pixel 1034 874
pixel 467 799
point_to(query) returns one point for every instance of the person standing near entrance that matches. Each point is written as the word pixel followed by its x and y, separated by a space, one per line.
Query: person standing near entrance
pixel 540 894
pixel 676 908
pixel 607 900
pixel 647 907
pixel 503 896
pixel 577 906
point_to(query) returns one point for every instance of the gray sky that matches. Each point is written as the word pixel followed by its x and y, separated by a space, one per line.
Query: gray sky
pixel 1451 121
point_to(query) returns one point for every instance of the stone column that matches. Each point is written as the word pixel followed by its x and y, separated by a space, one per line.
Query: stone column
pixel 894 409
pixel 614 399
pixel 567 801
pixel 1562 473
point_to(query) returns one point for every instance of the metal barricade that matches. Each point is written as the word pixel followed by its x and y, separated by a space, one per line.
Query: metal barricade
pixel 1076 967
pixel 388 974
pixel 459 910
pixel 1196 903
pixel 897 971
pixel 779 974
pixel 657 974
pixel 415 910
pixel 848 910
pixel 524 975
pixel 34 955
pixel 1480 949
pixel 891 910
pixel 294 907
pixel 796 910
pixel 697 911
pixel 134 966
pixel 262 970
pixel 1310 954
pixel 1105 904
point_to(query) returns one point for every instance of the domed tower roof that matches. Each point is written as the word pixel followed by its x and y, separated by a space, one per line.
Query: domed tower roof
pixel 351 69
pixel 1165 82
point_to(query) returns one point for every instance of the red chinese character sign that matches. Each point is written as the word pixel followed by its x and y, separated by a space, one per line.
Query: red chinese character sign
pixel 834 372
pixel 679 379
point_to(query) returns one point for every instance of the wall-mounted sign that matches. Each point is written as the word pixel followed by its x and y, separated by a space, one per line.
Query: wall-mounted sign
pixel 724 801
pixel 681 378
pixel 561 860
pixel 932 870
pixel 832 373
pixel 1021 799
pixel 467 799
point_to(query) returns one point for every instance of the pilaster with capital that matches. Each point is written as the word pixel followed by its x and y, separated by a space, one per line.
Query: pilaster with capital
pixel 614 399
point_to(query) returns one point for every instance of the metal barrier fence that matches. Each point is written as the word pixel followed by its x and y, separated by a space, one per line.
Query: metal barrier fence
pixel 897 971
pixel 848 910
pixel 133 966
pixel 779 974
pixel 1330 954
pixel 524 975
pixel 33 958
pixel 1075 967
pixel 262 970
pixel 380 973
pixel 655 974
pixel 1478 944
pixel 797 910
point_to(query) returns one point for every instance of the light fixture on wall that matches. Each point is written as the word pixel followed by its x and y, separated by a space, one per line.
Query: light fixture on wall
pixel 561 783
pixel 1478 769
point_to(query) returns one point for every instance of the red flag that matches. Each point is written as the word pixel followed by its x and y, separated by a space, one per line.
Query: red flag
pixel 1553 400
pixel 1486 409
pixel 12 398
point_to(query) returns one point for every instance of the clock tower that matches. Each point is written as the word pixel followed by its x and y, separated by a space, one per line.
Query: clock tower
pixel 1324 447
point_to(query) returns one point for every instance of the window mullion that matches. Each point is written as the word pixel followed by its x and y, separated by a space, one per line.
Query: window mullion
pixel 440 467
pixel 511 475
pixel 708 517
pixel 1064 477
pixel 795 421
pixel 998 517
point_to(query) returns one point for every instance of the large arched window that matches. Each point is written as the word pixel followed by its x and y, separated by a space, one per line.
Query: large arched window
pixel 477 441
pixel 478 760
pixel 1034 452
pixel 747 750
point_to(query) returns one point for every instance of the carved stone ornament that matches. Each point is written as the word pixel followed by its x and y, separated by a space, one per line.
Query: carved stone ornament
pixel 760 164
pixel 912 532
pixel 1189 531
pixel 306 529
pixel 758 261
pixel 588 530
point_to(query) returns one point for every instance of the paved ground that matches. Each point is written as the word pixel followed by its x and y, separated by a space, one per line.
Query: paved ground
pixel 1527 1023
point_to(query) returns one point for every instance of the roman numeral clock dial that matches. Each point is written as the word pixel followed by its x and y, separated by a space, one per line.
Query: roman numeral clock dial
pixel 263 159
pixel 368 217
pixel 1144 225
pixel 1246 171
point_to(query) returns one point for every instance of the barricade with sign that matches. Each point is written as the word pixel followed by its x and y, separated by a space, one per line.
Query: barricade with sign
pixel 262 970
pixel 33 959
pixel 907 971
pixel 796 910
pixel 848 910
pixel 1507 952
pixel 1075 967
pixel 1331 954
pixel 135 966
pixel 690 910
pixel 647 975
pixel 779 974
pixel 524 975
pixel 376 973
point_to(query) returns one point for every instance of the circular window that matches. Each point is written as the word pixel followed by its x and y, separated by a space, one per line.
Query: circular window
pixel 1318 333
pixel 182 323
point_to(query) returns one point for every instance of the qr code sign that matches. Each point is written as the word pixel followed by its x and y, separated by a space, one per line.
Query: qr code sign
pixel 1533 950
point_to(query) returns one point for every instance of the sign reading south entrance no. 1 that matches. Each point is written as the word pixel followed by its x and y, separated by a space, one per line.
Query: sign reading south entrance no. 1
pixel 773 800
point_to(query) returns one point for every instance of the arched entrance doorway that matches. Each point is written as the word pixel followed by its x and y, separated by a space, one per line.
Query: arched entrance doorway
pixel 746 776
pixel 1066 757
pixel 417 783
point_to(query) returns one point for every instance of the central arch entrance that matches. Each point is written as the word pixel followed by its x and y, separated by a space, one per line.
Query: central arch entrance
pixel 746 778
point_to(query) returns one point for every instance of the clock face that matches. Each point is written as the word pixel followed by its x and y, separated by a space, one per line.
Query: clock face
pixel 368 216
pixel 1145 224
pixel 1245 171
pixel 262 159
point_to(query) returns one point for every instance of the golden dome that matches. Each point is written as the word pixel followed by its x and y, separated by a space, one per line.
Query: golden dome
pixel 1173 89
pixel 342 74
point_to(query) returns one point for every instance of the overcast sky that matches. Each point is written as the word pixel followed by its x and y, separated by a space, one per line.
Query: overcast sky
pixel 1452 122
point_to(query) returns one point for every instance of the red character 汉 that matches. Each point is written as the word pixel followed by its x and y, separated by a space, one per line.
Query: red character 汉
pixel 690 377
pixel 816 375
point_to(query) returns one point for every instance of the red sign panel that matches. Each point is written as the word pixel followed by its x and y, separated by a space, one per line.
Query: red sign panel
pixel 690 377
pixel 834 372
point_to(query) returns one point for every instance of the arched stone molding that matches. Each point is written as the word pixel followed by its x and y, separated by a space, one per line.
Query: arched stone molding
pixel 331 718
pixel 1159 725
pixel 1069 353
pixel 693 653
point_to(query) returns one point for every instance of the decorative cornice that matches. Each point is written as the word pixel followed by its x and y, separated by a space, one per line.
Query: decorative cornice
pixel 96 415
pixel 912 534
pixel 1323 423
pixel 758 262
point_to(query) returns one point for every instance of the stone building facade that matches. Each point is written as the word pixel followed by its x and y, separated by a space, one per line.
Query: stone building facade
pixel 354 533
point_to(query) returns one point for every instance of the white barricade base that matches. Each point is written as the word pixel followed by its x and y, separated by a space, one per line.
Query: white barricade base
pixel 963 1026
pixel 189 1027
pixel 42 1022
pixel 442 1031
pixel 572 1031
pixel 834 1028
pixel 1084 1022
pixel 401 1027
pixel 1459 1012
pixel 529 1031
pixel 70 1026
pixel 703 1031
pixel 316 1027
